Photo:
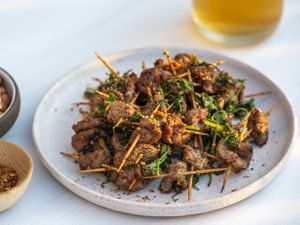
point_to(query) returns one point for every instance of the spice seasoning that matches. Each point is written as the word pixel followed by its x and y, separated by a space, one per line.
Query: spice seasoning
pixel 8 178
pixel 4 99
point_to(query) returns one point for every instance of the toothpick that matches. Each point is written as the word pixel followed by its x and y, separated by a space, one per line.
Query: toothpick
pixel 245 120
pixel 99 170
pixel 192 93
pixel 196 132
pixel 181 76
pixel 196 85
pixel 132 184
pixel 190 184
pixel 201 143
pixel 209 155
pixel 167 54
pixel 109 67
pixel 188 173
pixel 135 98
pixel 98 80
pixel 85 103
pixel 107 107
pixel 170 106
pixel 218 63
pixel 130 150
pixel 195 141
pixel 257 94
pixel 106 96
pixel 133 123
pixel 70 155
pixel 121 120
pixel 110 167
pixel 144 67
pixel 154 111
pixel 140 156
pixel 228 172
pixel 160 113
pixel 268 113
pixel 103 145
pixel 247 134
pixel 149 93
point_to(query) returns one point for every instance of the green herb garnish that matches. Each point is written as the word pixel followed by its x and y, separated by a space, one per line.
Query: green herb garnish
pixel 154 167
pixel 232 141
pixel 111 98
pixel 135 116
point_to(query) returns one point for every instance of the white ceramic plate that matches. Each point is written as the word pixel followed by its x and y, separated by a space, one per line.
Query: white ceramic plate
pixel 52 134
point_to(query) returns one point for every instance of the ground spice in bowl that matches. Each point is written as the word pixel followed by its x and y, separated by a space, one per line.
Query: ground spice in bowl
pixel 8 178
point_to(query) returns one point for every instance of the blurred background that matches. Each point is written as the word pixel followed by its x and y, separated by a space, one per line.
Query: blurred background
pixel 40 40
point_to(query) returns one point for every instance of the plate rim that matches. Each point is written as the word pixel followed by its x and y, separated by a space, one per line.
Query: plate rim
pixel 149 208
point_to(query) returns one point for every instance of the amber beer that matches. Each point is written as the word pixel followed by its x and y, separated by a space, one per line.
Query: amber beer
pixel 236 20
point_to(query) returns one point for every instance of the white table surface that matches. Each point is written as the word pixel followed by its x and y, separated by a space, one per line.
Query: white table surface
pixel 41 40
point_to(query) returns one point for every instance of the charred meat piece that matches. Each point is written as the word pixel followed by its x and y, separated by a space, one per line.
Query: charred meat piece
pixel 186 59
pixel 177 150
pixel 130 84
pixel 194 116
pixel 166 75
pixel 258 122
pixel 182 107
pixel 238 156
pixel 87 131
pixel 160 63
pixel 194 158
pixel 118 110
pixel 118 157
pixel 124 180
pixel 151 105
pixel 150 132
pixel 174 177
pixel 94 159
pixel 149 78
pixel 149 152
pixel 115 142
pixel 174 130
pixel 118 94
pixel 87 124
pixel 208 87
pixel 228 88
pixel 81 140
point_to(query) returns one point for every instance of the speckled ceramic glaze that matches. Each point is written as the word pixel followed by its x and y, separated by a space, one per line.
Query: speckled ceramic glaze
pixel 56 113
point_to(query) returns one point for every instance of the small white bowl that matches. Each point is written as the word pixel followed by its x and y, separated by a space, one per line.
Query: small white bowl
pixel 15 157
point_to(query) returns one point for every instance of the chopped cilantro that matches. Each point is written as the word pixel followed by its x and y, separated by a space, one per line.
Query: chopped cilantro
pixel 232 141
pixel 154 167
pixel 111 98
pixel 135 116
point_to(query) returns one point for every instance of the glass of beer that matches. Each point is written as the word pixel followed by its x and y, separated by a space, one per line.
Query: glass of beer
pixel 236 21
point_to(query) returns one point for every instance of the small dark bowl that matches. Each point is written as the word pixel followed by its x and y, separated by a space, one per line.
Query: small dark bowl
pixel 8 118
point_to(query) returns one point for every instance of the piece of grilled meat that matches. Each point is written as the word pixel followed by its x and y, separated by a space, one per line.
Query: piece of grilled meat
pixel 87 131
pixel 93 160
pixel 118 110
pixel 149 131
pixel 259 124
pixel 238 157
pixel 174 177
pixel 194 158
pixel 174 130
